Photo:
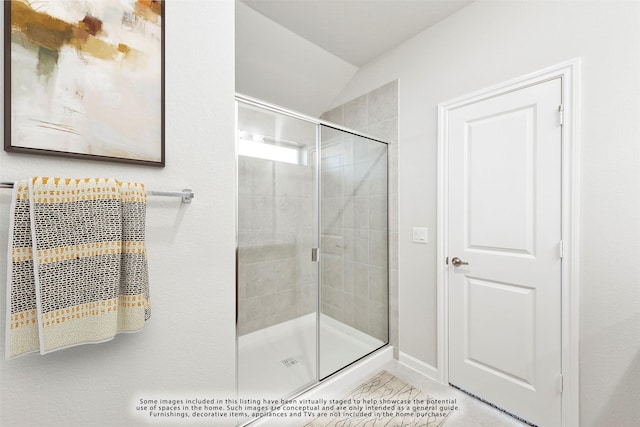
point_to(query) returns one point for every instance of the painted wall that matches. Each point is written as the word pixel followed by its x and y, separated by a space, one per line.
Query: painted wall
pixel 484 44
pixel 275 65
pixel 188 345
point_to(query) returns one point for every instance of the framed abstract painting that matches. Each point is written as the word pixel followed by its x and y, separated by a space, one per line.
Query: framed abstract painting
pixel 85 79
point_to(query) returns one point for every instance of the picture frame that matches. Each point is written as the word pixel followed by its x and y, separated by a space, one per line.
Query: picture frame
pixel 85 80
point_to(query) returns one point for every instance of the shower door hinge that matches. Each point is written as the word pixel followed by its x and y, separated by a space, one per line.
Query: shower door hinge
pixel 314 254
pixel 561 114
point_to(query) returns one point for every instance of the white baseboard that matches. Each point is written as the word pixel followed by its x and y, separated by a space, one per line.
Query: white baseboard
pixel 425 369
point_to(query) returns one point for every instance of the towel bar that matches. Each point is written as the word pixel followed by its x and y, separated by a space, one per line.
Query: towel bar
pixel 186 194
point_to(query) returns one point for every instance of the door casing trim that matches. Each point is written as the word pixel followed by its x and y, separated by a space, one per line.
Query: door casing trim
pixel 569 72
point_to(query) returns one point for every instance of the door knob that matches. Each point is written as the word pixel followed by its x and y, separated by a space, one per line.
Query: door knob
pixel 457 262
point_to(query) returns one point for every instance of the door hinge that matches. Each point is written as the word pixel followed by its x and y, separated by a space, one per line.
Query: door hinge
pixel 314 254
pixel 561 114
pixel 561 383
pixel 561 249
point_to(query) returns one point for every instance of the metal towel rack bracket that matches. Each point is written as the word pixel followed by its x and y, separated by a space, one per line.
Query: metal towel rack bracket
pixel 186 194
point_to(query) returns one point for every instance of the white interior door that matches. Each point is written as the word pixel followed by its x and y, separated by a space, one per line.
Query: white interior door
pixel 505 223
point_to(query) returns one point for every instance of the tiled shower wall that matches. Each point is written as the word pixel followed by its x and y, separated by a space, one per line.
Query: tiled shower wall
pixel 375 114
pixel 276 280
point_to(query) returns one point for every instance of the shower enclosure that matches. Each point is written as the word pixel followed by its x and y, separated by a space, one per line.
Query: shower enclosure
pixel 312 249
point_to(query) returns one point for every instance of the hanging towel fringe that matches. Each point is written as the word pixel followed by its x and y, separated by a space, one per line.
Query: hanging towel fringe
pixel 77 267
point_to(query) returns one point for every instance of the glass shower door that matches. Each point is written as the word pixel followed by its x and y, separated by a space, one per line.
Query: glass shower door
pixel 354 244
pixel 276 277
pixel 312 270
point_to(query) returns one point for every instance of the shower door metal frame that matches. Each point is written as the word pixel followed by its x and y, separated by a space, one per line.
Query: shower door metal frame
pixel 244 99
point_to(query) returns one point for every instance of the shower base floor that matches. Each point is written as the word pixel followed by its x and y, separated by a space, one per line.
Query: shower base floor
pixel 280 360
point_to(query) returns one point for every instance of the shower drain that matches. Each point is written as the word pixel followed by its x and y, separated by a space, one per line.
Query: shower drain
pixel 289 362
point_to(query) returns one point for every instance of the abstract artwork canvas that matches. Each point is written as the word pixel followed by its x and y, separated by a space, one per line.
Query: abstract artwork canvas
pixel 85 78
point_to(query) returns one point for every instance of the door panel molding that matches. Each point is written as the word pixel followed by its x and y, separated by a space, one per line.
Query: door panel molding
pixel 569 72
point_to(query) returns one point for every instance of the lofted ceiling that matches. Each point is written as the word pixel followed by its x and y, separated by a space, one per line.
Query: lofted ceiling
pixel 301 54
pixel 356 31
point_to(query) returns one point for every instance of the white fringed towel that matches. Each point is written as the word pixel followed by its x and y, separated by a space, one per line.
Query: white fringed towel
pixel 77 267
